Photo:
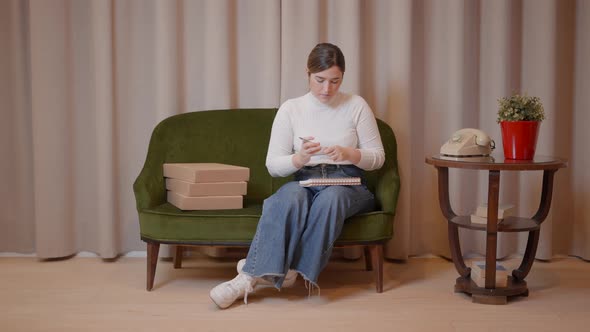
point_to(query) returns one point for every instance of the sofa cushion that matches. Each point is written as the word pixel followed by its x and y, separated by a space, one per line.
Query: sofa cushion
pixel 167 224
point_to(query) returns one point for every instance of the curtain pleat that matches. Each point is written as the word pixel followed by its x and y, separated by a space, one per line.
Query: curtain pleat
pixel 85 82
pixel 17 232
pixel 578 237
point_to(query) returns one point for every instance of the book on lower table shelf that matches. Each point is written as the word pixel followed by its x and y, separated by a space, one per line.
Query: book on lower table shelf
pixel 481 213
pixel 313 182
pixel 504 210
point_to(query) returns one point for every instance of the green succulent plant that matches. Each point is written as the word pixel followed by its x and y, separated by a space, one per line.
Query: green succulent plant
pixel 520 108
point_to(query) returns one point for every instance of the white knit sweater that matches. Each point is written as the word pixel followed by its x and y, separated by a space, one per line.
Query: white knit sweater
pixel 347 121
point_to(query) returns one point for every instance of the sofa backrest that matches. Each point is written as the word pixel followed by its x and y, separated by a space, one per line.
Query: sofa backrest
pixel 237 137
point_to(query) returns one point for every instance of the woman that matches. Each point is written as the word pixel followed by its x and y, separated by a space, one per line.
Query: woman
pixel 323 134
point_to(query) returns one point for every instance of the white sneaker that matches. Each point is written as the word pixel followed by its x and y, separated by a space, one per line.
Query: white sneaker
pixel 228 292
pixel 289 281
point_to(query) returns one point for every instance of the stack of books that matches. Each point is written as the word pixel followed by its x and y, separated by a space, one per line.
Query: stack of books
pixel 478 274
pixel 206 186
pixel 481 213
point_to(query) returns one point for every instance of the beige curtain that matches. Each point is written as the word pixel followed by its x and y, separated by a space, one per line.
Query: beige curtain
pixel 83 83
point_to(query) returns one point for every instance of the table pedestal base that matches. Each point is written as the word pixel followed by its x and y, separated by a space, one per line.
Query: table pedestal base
pixel 498 295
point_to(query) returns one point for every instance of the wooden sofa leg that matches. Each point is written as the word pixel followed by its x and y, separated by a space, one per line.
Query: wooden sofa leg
pixel 178 257
pixel 368 262
pixel 377 258
pixel 152 260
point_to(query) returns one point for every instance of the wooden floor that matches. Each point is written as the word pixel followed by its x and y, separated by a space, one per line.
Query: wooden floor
pixel 88 294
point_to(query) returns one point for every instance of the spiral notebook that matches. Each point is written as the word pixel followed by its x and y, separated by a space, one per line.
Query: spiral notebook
pixel 352 181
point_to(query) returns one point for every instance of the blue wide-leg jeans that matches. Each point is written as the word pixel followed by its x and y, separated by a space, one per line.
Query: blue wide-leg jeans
pixel 299 225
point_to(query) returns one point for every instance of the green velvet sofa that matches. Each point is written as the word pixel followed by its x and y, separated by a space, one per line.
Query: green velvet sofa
pixel 240 137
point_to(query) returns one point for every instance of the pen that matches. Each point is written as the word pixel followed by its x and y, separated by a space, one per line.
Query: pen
pixel 304 139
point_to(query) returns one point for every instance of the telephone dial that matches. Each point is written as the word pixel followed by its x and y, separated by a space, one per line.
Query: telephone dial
pixel 468 142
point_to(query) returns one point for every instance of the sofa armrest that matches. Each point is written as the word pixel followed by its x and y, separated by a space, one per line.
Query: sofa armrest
pixel 147 193
pixel 149 188
pixel 386 180
pixel 387 189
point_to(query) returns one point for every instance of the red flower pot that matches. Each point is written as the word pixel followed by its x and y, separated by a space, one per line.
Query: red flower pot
pixel 519 139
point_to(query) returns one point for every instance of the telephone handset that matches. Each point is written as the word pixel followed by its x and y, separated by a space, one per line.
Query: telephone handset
pixel 468 142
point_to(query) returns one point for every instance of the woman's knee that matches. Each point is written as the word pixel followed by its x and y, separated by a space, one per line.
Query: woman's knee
pixel 343 201
pixel 297 193
pixel 288 197
pixel 334 196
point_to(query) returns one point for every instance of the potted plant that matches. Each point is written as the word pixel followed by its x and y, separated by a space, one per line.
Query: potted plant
pixel 520 117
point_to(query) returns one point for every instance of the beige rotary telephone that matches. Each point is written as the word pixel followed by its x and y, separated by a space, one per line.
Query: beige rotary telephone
pixel 468 142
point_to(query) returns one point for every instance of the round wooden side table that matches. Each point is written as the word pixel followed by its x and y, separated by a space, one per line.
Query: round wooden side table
pixel 490 294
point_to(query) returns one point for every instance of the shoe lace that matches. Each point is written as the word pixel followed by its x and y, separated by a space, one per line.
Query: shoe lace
pixel 310 287
pixel 246 283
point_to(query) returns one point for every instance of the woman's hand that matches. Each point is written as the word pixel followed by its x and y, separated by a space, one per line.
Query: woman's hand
pixel 308 148
pixel 343 153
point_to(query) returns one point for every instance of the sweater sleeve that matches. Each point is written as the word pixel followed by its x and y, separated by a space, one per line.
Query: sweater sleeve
pixel 280 148
pixel 370 145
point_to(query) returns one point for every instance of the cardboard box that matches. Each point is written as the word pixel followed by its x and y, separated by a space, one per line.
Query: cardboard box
pixel 478 274
pixel 205 202
pixel 207 188
pixel 206 172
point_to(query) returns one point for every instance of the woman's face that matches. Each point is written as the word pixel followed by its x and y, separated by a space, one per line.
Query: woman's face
pixel 325 84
